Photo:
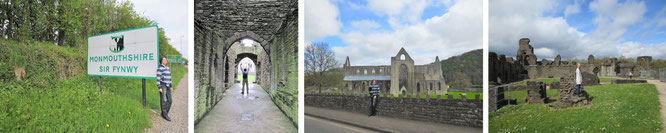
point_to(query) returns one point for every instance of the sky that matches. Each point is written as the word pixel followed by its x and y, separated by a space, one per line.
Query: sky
pixel 577 28
pixel 171 15
pixel 370 32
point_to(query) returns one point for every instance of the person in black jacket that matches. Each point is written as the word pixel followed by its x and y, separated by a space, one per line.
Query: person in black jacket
pixel 374 96
pixel 245 84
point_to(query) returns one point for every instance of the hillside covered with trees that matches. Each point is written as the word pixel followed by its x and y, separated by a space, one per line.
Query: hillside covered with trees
pixel 465 70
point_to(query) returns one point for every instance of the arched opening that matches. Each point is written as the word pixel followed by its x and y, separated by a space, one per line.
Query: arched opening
pixel 403 77
pixel 246 65
pixel 439 85
pixel 243 50
pixel 430 86
pixel 418 87
pixel 402 57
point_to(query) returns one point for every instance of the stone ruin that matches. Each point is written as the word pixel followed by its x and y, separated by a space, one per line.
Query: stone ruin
pixel 567 99
pixel 501 66
pixel 525 54
pixel 504 70
pixel 536 92
pixel 589 78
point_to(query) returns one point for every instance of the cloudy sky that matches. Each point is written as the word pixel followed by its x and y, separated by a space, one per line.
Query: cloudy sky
pixel 171 15
pixel 578 28
pixel 372 31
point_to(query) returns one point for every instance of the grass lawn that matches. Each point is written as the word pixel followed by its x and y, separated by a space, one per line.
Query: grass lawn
pixel 615 108
pixel 250 78
pixel 544 80
pixel 520 95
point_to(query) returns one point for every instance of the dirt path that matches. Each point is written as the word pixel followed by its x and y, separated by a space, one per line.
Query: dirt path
pixel 252 113
pixel 661 88
pixel 178 112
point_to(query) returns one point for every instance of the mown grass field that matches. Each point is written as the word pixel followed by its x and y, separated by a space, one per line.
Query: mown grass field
pixel 615 108
pixel 57 96
pixel 250 78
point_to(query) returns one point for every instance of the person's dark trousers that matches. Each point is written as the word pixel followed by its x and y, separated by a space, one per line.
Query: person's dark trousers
pixel 246 87
pixel 577 90
pixel 165 101
pixel 373 106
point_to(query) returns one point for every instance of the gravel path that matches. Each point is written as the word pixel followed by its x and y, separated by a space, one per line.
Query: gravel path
pixel 661 88
pixel 178 112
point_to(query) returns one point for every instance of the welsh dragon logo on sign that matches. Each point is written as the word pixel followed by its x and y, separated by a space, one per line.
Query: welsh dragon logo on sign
pixel 120 44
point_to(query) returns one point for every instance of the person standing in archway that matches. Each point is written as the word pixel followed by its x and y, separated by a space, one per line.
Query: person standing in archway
pixel 163 79
pixel 374 96
pixel 245 84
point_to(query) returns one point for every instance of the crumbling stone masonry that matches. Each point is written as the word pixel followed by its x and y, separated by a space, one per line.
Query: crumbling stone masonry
pixel 536 92
pixel 502 70
pixel 218 25
pixel 627 81
pixel 567 99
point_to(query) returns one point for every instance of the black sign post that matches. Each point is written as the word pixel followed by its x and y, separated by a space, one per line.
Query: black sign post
pixel 99 83
pixel 143 85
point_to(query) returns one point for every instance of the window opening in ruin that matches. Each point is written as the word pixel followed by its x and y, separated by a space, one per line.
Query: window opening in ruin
pixel 418 87
pixel 365 72
pixel 402 57
pixel 373 71
pixel 430 86
pixel 439 85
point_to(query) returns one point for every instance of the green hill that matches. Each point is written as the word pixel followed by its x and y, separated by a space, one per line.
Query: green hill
pixel 464 71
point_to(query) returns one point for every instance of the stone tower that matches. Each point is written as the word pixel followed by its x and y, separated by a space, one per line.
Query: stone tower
pixel 525 54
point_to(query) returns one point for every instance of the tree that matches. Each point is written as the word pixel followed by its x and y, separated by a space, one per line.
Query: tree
pixel 319 59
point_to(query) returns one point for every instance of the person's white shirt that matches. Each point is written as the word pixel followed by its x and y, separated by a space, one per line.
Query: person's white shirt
pixel 579 77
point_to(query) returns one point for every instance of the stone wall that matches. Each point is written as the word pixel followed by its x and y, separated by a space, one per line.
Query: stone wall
pixel 536 92
pixel 627 81
pixel 464 112
pixel 502 70
pixel 284 70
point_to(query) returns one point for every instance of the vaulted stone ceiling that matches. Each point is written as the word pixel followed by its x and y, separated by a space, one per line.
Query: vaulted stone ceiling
pixel 227 17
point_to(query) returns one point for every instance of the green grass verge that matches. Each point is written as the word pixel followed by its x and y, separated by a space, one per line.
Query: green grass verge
pixel 615 108
pixel 250 78
pixel 56 99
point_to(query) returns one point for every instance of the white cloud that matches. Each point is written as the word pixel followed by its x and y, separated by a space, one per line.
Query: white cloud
pixel 321 19
pixel 572 9
pixel 450 34
pixel 171 15
pixel 510 20
pixel 399 11
pixel 365 24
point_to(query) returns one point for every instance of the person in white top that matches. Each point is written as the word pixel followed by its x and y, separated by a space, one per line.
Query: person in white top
pixel 630 75
pixel 579 81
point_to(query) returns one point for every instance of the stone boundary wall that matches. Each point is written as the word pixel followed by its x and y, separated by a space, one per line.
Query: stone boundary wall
pixel 627 81
pixel 465 89
pixel 464 112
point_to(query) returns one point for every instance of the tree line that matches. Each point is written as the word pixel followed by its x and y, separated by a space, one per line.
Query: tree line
pixel 70 22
